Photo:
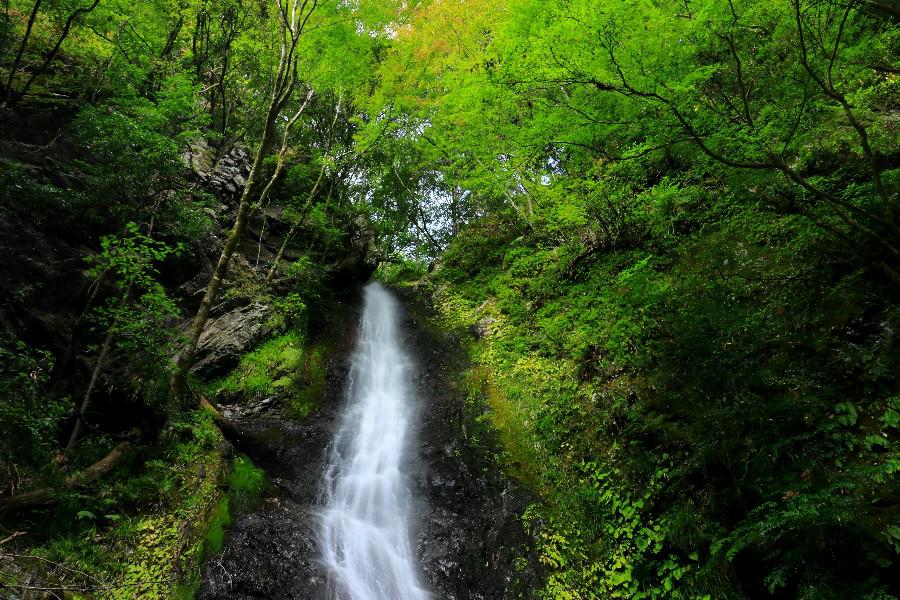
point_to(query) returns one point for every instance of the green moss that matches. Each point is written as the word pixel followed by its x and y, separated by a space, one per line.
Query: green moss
pixel 281 366
pixel 188 590
pixel 265 370
pixel 246 483
pixel 309 389
pixel 221 519
pixel 245 476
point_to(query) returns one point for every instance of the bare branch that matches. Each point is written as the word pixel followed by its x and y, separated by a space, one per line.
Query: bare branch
pixel 832 93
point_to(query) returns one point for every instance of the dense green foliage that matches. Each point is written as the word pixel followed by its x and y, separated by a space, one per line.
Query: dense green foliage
pixel 681 262
pixel 671 225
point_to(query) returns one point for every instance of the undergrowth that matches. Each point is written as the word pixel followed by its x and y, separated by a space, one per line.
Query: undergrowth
pixel 135 535
pixel 712 415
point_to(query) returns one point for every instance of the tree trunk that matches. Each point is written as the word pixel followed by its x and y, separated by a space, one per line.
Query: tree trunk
pixel 12 96
pixel 86 402
pixel 312 194
pixel 21 52
pixel 296 223
pixel 186 357
pixel 46 496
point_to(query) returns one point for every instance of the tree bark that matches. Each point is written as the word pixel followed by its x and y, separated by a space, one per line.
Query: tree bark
pixel 18 60
pixel 312 194
pixel 186 357
pixel 294 225
pixel 45 496
pixel 86 402
pixel 12 96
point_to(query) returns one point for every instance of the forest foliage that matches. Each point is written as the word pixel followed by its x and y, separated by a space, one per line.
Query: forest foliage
pixel 678 250
pixel 672 225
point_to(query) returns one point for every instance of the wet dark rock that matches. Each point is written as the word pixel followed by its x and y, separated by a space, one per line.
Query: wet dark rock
pixel 470 533
pixel 267 556
pixel 270 553
pixel 251 408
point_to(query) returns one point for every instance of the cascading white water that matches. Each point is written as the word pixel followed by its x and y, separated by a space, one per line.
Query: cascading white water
pixel 365 524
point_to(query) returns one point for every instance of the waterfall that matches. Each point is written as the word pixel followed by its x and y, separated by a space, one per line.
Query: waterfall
pixel 365 524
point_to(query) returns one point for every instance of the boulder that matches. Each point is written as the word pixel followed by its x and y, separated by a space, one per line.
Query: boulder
pixel 482 327
pixel 225 338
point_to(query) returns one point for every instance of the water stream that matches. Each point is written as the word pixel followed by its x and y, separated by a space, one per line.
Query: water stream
pixel 366 520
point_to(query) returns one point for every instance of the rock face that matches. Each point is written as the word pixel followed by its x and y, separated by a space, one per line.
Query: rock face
pixel 268 226
pixel 470 534
pixel 225 178
pixel 271 552
pixel 268 556
pixel 226 337
pixel 231 173
pixel 43 278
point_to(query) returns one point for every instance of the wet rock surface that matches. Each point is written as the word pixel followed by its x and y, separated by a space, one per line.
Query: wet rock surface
pixel 470 531
pixel 270 552
pixel 468 534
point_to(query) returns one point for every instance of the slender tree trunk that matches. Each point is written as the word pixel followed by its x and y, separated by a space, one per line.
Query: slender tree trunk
pixel 223 129
pixel 172 38
pixel 95 375
pixel 200 43
pixel 294 225
pixel 12 96
pixel 100 78
pixel 295 14
pixel 312 194
pixel 279 164
pixel 186 357
pixel 18 60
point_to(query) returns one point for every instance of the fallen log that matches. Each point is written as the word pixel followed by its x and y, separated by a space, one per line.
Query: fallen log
pixel 47 495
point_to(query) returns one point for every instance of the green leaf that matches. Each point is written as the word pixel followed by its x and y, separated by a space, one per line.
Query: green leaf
pixel 847 414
